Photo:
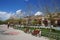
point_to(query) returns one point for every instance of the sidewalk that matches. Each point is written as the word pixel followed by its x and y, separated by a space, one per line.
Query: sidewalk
pixel 13 34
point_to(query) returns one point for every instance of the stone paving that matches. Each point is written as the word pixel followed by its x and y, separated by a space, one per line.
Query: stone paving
pixel 14 34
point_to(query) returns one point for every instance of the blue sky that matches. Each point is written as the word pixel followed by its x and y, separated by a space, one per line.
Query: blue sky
pixel 11 6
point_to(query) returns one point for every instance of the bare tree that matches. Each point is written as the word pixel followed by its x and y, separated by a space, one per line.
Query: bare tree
pixel 56 7
pixel 29 8
pixel 48 13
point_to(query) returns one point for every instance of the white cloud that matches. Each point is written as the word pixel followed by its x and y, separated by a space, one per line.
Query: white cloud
pixel 4 15
pixel 13 16
pixel 38 13
pixel 19 13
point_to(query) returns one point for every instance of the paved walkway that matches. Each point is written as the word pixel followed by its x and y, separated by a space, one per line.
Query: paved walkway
pixel 13 34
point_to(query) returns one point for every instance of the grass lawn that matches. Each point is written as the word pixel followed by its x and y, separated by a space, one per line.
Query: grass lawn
pixel 55 34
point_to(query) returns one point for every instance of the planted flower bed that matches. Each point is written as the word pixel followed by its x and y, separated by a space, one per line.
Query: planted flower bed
pixel 55 34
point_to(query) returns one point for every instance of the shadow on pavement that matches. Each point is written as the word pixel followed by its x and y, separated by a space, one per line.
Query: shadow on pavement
pixel 2 33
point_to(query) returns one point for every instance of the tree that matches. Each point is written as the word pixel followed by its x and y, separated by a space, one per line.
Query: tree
pixel 1 22
pixel 48 12
pixel 34 22
pixel 56 7
pixel 29 9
